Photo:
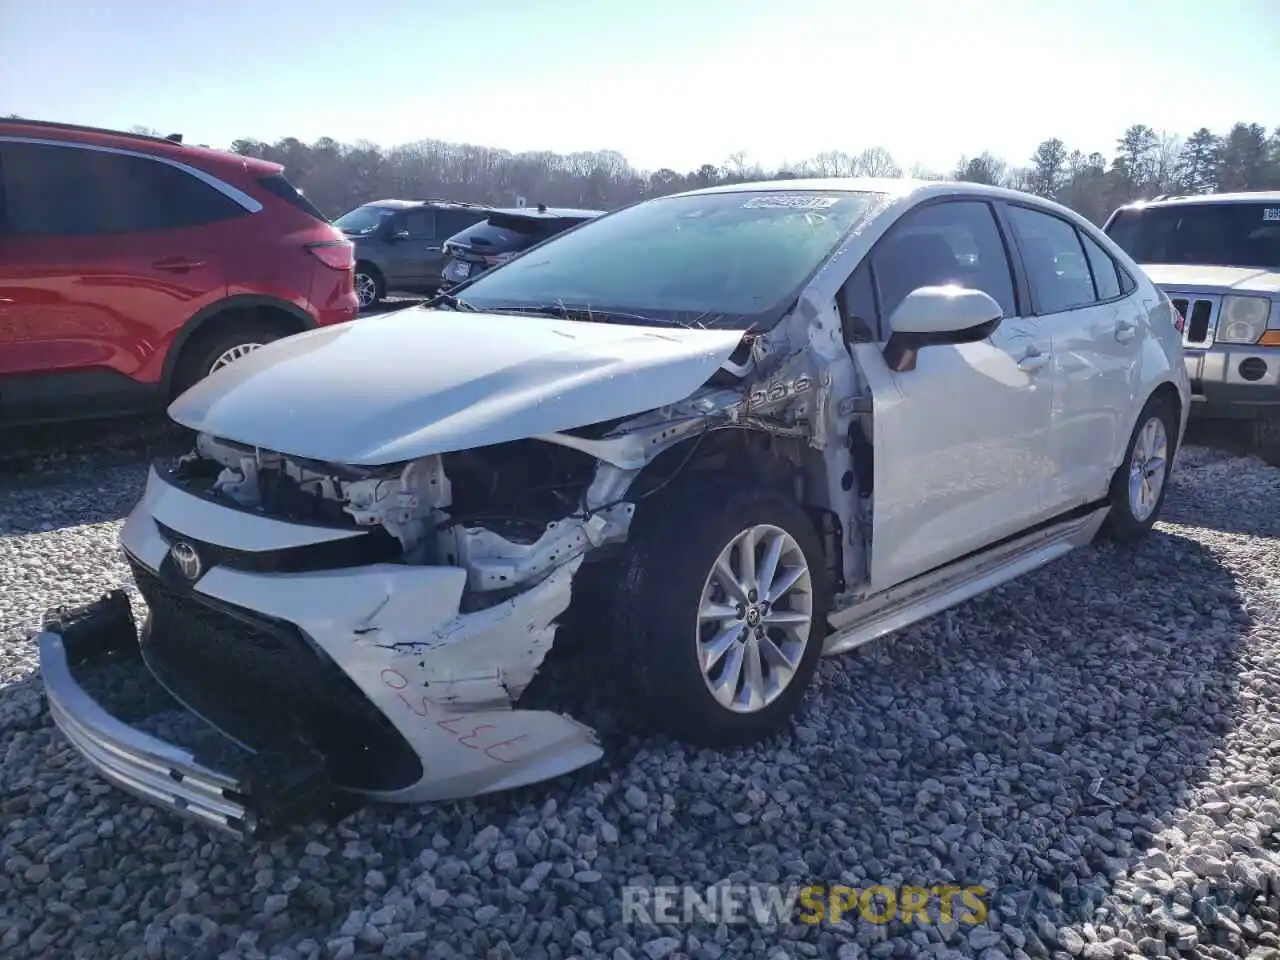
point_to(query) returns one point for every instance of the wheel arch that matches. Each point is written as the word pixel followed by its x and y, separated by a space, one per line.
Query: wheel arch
pixel 1166 391
pixel 290 315
pixel 786 464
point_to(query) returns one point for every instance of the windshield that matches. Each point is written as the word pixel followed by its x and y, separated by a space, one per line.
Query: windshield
pixel 1202 234
pixel 729 259
pixel 362 221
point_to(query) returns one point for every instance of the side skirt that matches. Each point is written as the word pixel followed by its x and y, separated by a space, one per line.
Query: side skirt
pixel 930 593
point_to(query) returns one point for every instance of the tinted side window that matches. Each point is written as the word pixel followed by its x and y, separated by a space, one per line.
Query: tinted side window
pixel 68 191
pixel 1056 266
pixel 279 185
pixel 421 224
pixel 1106 276
pixel 48 190
pixel 957 242
pixel 1127 283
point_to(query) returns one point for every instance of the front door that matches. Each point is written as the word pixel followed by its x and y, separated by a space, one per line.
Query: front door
pixel 961 443
pixel 414 253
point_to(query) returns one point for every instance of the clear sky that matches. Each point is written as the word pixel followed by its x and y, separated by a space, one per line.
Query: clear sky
pixel 666 82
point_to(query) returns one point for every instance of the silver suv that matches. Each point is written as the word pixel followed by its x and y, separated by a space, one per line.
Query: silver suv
pixel 1218 259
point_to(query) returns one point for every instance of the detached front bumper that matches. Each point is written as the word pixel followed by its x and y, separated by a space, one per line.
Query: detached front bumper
pixel 362 681
pixel 1236 382
pixel 231 789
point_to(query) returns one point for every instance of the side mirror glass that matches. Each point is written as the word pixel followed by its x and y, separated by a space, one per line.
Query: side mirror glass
pixel 932 316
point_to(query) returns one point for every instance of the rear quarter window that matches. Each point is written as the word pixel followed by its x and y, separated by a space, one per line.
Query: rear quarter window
pixel 278 185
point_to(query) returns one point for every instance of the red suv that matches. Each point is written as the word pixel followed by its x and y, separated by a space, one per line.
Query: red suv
pixel 132 266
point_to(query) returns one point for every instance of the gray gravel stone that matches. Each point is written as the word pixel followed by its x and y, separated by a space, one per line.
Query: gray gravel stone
pixel 1091 743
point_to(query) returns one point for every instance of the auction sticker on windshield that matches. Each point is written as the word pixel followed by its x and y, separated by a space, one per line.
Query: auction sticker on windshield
pixel 791 202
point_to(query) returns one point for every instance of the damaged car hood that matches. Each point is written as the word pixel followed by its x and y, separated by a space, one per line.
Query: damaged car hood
pixel 406 385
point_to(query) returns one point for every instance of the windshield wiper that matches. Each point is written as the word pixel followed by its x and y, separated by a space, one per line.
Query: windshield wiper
pixel 452 302
pixel 562 312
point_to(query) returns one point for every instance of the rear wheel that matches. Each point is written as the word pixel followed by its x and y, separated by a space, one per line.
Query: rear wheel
pixel 1139 487
pixel 222 346
pixel 724 612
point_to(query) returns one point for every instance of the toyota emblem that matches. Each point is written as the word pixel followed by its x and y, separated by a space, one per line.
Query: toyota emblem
pixel 186 559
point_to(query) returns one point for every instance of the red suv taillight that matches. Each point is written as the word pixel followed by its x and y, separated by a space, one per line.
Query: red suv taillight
pixel 338 254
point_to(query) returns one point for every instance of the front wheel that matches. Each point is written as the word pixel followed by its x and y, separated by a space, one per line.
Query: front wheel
pixel 724 613
pixel 1139 487
pixel 1266 438
pixel 370 288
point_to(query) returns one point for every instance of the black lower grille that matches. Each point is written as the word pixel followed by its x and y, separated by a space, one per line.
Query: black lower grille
pixel 263 682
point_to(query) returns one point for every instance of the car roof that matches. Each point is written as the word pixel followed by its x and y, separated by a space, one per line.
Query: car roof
pixel 1251 196
pixel 547 213
pixel 170 147
pixel 395 204
pixel 894 187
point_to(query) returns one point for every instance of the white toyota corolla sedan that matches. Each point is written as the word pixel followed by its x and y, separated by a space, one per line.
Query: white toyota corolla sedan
pixel 754 423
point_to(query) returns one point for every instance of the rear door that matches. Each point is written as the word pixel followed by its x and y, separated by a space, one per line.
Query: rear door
pixel 1079 293
pixel 961 443
pixel 105 254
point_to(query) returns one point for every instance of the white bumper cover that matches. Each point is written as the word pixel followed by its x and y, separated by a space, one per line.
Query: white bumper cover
pixel 446 680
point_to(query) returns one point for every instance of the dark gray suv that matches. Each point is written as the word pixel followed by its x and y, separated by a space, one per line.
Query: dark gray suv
pixel 400 243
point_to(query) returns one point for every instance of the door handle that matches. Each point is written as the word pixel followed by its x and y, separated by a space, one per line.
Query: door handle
pixel 177 264
pixel 1033 361
pixel 433 249
pixel 1125 331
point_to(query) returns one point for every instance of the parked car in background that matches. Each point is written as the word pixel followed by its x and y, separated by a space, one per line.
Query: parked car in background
pixel 132 266
pixel 746 426
pixel 400 243
pixel 502 235
pixel 1218 258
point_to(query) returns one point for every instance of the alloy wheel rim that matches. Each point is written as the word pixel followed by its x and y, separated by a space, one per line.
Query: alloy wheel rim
pixel 232 355
pixel 755 618
pixel 366 289
pixel 1147 468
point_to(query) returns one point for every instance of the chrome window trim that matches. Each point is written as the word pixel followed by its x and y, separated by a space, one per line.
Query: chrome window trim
pixel 238 196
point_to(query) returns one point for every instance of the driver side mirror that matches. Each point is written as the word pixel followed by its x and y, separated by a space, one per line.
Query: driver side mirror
pixel 932 316
pixel 400 235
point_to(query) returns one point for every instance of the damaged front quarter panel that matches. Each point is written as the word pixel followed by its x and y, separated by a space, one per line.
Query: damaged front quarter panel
pixel 490 542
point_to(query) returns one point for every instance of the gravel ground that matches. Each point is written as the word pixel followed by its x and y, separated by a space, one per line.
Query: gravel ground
pixel 1102 734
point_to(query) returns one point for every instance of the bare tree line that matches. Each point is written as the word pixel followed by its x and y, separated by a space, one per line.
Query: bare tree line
pixel 1146 162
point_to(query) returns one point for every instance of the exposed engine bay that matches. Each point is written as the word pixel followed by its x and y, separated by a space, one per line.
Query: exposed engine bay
pixel 511 513
pixel 507 514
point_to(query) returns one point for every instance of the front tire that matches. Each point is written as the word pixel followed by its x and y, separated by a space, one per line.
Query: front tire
pixel 370 287
pixel 723 613
pixel 1139 487
pixel 1266 438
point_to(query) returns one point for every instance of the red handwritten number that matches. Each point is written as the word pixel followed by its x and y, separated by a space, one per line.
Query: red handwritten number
pixel 488 751
pixel 396 681
pixel 463 738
